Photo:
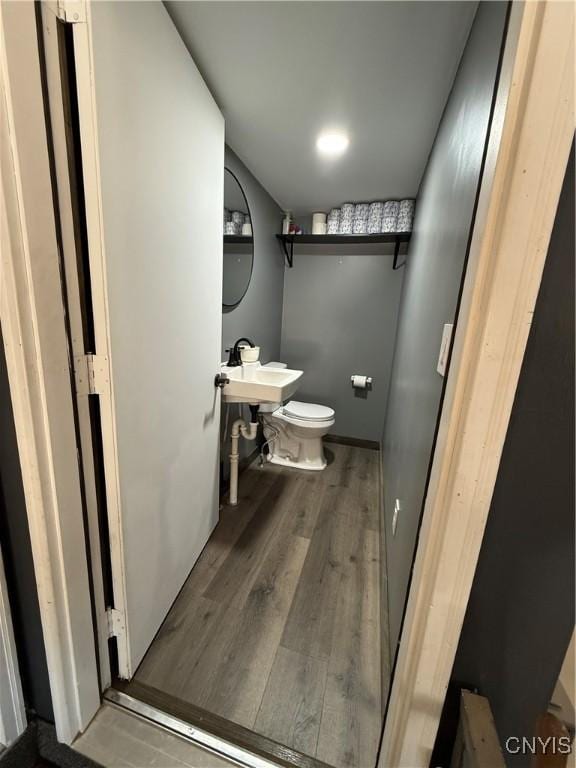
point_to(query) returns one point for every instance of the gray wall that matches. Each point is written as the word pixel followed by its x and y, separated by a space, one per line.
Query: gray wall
pixel 512 647
pixel 259 314
pixel 430 294
pixel 340 314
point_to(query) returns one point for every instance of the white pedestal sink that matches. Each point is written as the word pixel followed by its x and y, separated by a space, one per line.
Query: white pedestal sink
pixel 253 383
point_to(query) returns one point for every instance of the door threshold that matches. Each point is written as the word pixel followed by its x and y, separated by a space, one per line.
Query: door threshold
pixel 212 732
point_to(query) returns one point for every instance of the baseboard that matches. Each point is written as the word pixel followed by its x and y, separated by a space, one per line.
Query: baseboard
pixel 386 659
pixel 356 442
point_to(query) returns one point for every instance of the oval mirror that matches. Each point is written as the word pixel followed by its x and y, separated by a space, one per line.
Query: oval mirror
pixel 238 242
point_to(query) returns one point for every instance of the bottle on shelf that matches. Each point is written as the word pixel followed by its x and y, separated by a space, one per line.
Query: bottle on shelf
pixel 286 223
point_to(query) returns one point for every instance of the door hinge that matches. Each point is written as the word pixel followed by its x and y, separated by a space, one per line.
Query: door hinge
pixel 91 374
pixel 68 11
pixel 115 622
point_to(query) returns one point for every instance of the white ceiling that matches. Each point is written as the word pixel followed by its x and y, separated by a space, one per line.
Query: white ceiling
pixel 283 71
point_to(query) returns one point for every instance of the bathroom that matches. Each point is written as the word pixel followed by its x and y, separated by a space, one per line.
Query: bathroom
pixel 321 162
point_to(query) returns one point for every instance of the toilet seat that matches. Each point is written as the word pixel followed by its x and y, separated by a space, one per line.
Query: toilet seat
pixel 307 411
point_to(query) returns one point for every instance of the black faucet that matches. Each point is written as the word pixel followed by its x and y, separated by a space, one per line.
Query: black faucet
pixel 235 357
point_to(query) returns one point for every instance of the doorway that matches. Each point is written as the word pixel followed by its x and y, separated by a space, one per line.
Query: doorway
pixel 324 648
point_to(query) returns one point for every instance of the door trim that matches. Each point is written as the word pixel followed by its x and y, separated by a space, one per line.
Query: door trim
pixel 34 331
pixel 534 124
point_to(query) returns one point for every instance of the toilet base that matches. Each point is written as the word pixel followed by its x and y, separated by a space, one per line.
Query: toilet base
pixel 296 443
pixel 316 465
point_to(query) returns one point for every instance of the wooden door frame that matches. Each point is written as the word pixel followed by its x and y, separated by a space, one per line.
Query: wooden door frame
pixel 515 217
pixel 34 332
pixel 12 711
pixel 62 142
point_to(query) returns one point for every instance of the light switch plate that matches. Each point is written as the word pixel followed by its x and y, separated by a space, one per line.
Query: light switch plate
pixel 445 348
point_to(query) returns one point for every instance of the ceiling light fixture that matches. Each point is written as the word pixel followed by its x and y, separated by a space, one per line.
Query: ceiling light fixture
pixel 332 143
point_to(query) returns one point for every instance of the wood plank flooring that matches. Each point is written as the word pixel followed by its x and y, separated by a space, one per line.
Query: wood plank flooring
pixel 119 739
pixel 278 626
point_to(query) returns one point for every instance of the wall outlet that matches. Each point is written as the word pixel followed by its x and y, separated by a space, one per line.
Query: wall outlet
pixel 397 509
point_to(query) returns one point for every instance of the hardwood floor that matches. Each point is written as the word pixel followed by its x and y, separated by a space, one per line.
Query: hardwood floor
pixel 278 626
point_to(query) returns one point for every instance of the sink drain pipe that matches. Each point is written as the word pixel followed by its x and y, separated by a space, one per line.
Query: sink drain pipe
pixel 248 432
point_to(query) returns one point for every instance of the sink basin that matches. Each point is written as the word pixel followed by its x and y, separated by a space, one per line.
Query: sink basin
pixel 255 384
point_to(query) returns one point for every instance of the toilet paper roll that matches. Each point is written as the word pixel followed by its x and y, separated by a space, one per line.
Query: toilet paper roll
pixel 361 382
pixel 318 218
pixel 319 228
pixel 333 224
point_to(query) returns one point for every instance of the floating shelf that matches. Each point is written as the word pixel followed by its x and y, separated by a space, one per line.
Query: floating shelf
pixel 288 242
pixel 238 239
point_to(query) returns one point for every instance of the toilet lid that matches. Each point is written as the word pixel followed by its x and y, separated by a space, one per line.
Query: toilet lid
pixel 308 411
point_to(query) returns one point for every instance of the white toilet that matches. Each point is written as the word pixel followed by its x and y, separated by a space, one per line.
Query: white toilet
pixel 294 432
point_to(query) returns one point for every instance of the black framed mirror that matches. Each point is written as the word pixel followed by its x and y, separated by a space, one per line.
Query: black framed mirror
pixel 238 242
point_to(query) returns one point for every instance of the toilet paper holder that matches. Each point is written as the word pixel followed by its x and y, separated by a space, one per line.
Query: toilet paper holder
pixel 361 382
